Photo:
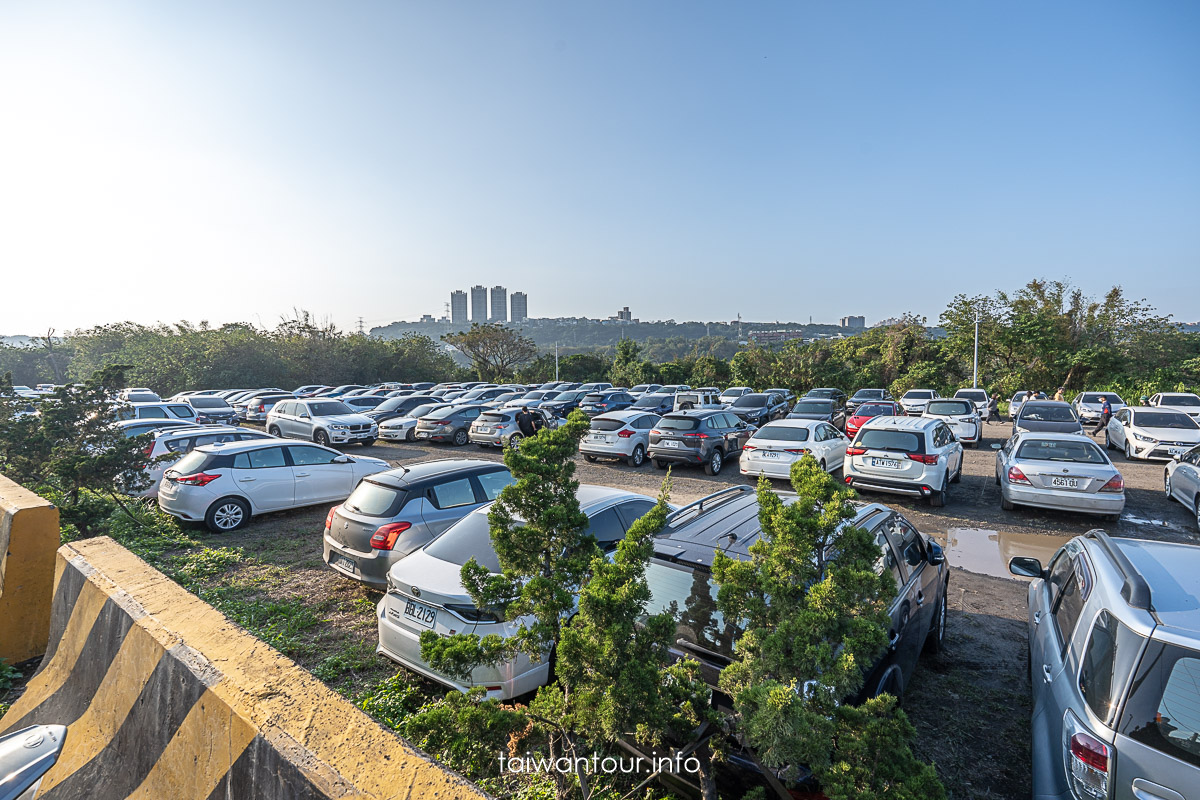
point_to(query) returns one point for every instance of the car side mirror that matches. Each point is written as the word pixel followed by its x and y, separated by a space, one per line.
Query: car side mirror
pixel 1177 457
pixel 936 554
pixel 741 426
pixel 1026 567
pixel 305 416
pixel 342 460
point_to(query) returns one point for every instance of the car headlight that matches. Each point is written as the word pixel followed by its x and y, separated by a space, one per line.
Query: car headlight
pixel 337 426
pixel 1022 430
pixel 1141 438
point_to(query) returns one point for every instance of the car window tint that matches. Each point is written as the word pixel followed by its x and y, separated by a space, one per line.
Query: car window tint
pixel 1070 604
pixel 631 511
pixel 1057 575
pixel 305 455
pixel 1098 665
pixel 493 482
pixel 887 563
pixel 691 598
pixel 606 527
pixel 184 412
pixel 267 457
pixel 152 413
pixel 180 445
pixel 213 438
pixel 453 494
pixel 1163 709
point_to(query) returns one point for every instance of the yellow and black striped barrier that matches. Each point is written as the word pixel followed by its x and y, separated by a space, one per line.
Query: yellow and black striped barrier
pixel 28 538
pixel 165 698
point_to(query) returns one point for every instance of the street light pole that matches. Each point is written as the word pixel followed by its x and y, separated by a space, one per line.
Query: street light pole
pixel 975 375
pixel 556 361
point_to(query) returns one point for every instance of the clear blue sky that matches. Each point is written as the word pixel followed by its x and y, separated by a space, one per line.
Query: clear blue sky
pixel 693 160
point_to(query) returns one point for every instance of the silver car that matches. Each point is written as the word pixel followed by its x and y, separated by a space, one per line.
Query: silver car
pixel 322 421
pixel 390 514
pixel 905 455
pixel 977 396
pixel 1060 471
pixel 621 435
pixel 1182 481
pixel 1087 404
pixel 499 428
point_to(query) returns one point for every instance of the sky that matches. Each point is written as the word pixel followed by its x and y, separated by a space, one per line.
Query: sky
pixel 235 161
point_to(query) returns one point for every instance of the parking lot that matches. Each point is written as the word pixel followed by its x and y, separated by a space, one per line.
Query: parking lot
pixel 970 703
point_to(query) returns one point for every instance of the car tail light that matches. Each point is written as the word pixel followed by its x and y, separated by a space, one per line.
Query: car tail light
pixel 439 422
pixel 148 450
pixel 799 452
pixel 849 479
pixel 260 407
pixel 197 479
pixel 923 458
pixel 856 451
pixel 1115 484
pixel 329 517
pixel 1089 766
pixel 656 432
pixel 749 447
pixel 1016 476
pixel 385 538
pixel 695 436
pixel 625 434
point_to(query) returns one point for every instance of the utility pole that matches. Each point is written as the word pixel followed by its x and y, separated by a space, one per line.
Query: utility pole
pixel 556 361
pixel 975 375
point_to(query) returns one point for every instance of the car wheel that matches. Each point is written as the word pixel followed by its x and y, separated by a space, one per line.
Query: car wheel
pixel 367 442
pixel 589 458
pixel 411 435
pixel 1006 504
pixel 1128 452
pixel 227 515
pixel 937 498
pixel 937 634
pixel 715 461
pixel 273 430
pixel 460 437
pixel 638 457
pixel 957 475
pixel 1198 512
pixel 1167 484
pixel 514 441
pixel 321 438
pixel 889 683
pixel 659 463
pixel 1107 441
pixel 823 469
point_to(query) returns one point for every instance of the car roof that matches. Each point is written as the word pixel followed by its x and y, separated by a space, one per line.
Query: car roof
pixel 402 477
pixel 189 430
pixel 1046 404
pixel 629 413
pixel 249 444
pixel 1051 436
pixel 791 422
pixel 1173 572
pixel 165 422
pixel 901 423
pixel 695 412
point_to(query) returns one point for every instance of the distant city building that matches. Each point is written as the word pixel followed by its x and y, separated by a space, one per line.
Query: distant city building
pixel 427 319
pixel 624 315
pixel 499 304
pixel 458 307
pixel 520 307
pixel 479 298
pixel 768 337
pixel 853 322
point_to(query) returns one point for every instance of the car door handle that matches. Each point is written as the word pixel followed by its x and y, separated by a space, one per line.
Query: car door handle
pixel 893 639
pixel 1046 676
pixel 1145 790
pixel 247 480
pixel 920 598
pixel 302 474
pixel 1037 617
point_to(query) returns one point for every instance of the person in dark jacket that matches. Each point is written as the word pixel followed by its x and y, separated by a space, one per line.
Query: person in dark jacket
pixel 994 408
pixel 525 422
pixel 1105 415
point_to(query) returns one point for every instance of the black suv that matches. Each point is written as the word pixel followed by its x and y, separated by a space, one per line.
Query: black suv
pixel 866 396
pixel 604 401
pixel 822 408
pixel 836 395
pixel 707 437
pixel 759 408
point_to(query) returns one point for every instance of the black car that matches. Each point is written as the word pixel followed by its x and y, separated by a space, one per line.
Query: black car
pixel 824 409
pixel 564 403
pixel 596 403
pixel 866 396
pixel 707 436
pixel 395 407
pixel 211 410
pixel 836 395
pixel 657 403
pixel 759 408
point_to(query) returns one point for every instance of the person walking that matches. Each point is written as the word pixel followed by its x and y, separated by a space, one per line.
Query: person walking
pixel 525 422
pixel 1105 415
pixel 994 408
pixel 1059 395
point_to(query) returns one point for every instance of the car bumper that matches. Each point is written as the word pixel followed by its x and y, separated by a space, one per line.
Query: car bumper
pixel 346 437
pixel 190 505
pixel 676 456
pixel 917 484
pixel 1158 450
pixel 772 468
pixel 1085 503
pixel 622 448
pixel 489 439
pixel 394 434
pixel 369 568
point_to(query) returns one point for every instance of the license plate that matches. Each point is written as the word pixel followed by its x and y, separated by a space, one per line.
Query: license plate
pixel 669 443
pixel 595 437
pixel 1177 451
pixel 887 463
pixel 345 563
pixel 423 435
pixel 419 613
pixel 484 430
pixel 769 454
pixel 1065 483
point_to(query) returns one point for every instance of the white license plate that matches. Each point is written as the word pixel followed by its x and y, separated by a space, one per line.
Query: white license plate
pixel 423 435
pixel 670 443
pixel 1065 483
pixel 345 563
pixel 596 437
pixel 1177 451
pixel 886 463
pixel 769 454
pixel 483 430
pixel 420 613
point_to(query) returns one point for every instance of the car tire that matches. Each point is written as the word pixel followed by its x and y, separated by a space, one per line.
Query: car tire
pixel 716 460
pixel 367 442
pixel 889 683
pixel 321 438
pixel 1197 511
pixel 937 499
pixel 410 435
pixel 1128 452
pixel 461 437
pixel 957 475
pixel 1107 441
pixel 1006 504
pixel 823 469
pixel 637 457
pixel 227 515
pixel 514 441
pixel 589 458
pixel 935 641
pixel 659 463
pixel 1167 485
pixel 274 431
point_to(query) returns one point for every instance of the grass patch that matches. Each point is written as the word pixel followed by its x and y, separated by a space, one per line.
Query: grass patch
pixel 284 624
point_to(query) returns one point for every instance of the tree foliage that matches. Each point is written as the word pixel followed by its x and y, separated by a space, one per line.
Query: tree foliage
pixel 496 351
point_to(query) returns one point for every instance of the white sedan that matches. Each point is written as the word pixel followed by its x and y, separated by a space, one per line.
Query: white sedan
pixel 1183 402
pixel 1143 432
pixel 961 415
pixel 775 446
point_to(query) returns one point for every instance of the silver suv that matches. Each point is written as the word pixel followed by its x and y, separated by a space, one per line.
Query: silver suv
pixel 1115 669
pixel 917 456
pixel 322 421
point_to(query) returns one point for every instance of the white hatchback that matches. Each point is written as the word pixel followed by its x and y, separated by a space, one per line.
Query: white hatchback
pixel 223 485
pixel 777 445
pixel 172 444
pixel 916 456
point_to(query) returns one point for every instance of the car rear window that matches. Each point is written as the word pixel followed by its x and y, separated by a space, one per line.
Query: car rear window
pixel 972 394
pixel 949 408
pixel 669 423
pixel 813 407
pixel 494 416
pixel 899 441
pixel 375 500
pixel 607 424
pixel 594 397
pixel 782 433
pixel 691 597
pixel 1042 412
pixel 1164 419
pixel 750 401
pixel 650 401
pixel 1180 400
pixel 1082 452
pixel 1163 709
pixel 199 461
pixel 207 402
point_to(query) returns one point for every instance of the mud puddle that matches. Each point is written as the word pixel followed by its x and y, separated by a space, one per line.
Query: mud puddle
pixel 987 552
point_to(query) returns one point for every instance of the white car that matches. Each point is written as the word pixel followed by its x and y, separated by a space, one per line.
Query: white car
pixel 223 485
pixel 961 415
pixel 1143 432
pixel 322 421
pixel 915 456
pixel 1182 481
pixel 1183 402
pixel 622 435
pixel 139 394
pixel 181 411
pixel 180 441
pixel 425 593
pixel 1087 405
pixel 914 401
pixel 403 429
pixel 775 446
pixel 1018 399
pixel 977 396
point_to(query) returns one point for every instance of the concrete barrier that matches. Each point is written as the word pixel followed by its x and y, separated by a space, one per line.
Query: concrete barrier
pixel 29 536
pixel 163 697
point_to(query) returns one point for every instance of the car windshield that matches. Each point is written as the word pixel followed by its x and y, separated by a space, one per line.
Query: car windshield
pixel 873 410
pixel 391 404
pixel 949 408
pixel 782 433
pixel 750 401
pixel 822 393
pixel 900 441
pixel 1081 451
pixel 329 408
pixel 375 500
pixel 1164 419
pixel 1098 398
pixel 972 394
pixel 868 394
pixel 469 537
pixel 207 402
pixel 677 424
pixel 918 394
pixel 813 407
pixel 1043 412
pixel 1180 400
pixel 650 401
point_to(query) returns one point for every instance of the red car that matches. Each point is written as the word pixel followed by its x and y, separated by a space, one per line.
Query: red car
pixel 873 408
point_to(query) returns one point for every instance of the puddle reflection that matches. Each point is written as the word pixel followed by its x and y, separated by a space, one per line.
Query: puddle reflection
pixel 988 552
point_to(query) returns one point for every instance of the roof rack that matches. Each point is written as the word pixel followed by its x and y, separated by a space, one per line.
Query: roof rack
pixel 705 503
pixel 1135 590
